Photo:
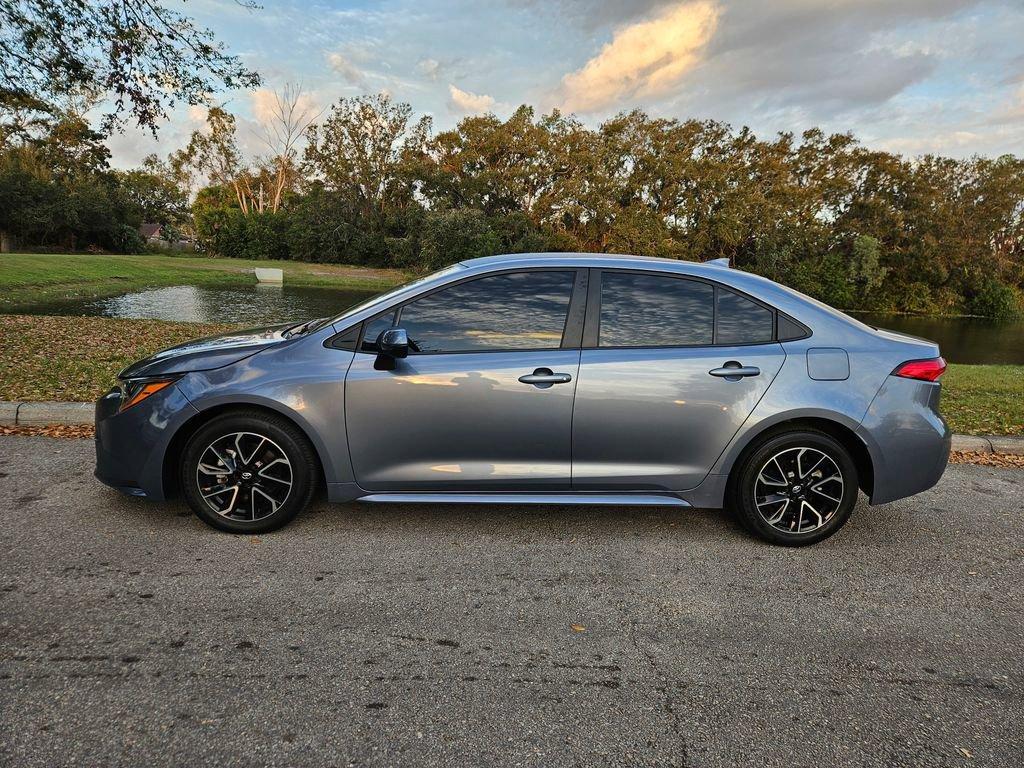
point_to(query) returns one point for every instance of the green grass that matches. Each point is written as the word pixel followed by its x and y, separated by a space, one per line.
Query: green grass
pixel 27 279
pixel 984 399
pixel 76 358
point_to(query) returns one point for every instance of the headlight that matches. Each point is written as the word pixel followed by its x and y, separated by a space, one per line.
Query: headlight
pixel 134 391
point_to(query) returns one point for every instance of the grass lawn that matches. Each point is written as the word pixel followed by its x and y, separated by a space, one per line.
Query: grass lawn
pixel 76 358
pixel 984 399
pixel 34 278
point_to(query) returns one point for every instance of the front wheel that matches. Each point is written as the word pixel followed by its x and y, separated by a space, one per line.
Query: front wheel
pixel 796 488
pixel 248 472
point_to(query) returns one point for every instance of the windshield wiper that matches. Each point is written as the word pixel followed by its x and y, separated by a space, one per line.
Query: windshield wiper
pixel 303 328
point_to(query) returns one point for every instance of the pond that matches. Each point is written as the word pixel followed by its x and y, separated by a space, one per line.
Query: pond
pixel 971 340
pixel 255 305
pixel 962 339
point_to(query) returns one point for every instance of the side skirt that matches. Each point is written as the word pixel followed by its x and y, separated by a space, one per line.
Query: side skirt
pixel 614 499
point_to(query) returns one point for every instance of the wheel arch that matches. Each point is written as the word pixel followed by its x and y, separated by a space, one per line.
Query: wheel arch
pixel 176 446
pixel 841 432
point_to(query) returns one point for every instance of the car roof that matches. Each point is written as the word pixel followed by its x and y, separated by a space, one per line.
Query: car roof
pixel 594 259
pixel 712 268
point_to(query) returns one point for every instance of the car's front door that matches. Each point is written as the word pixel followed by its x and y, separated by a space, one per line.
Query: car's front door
pixel 656 404
pixel 484 399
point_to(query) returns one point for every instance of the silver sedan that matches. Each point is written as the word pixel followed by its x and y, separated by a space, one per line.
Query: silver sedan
pixel 541 379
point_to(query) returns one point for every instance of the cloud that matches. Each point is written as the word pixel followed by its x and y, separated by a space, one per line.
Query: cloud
pixel 824 57
pixel 952 142
pixel 429 67
pixel 197 114
pixel 466 102
pixel 265 104
pixel 592 14
pixel 343 65
pixel 644 60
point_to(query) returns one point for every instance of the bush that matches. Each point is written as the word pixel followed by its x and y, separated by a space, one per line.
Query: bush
pixel 997 300
pixel 265 235
pixel 126 239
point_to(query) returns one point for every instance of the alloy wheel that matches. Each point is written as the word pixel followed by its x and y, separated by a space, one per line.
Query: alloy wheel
pixel 798 490
pixel 244 476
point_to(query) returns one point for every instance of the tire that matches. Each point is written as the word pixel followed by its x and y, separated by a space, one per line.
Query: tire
pixel 770 500
pixel 270 472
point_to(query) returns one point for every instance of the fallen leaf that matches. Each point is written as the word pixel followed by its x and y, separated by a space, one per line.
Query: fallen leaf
pixel 578 628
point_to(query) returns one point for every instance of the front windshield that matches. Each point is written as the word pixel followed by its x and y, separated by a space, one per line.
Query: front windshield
pixel 382 298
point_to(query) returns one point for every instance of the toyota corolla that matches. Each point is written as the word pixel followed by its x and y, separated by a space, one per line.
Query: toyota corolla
pixel 541 379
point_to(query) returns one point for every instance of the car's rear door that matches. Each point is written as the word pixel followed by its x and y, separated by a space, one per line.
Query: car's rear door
pixel 654 408
pixel 457 413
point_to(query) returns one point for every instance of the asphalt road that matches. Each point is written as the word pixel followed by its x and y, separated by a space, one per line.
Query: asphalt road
pixel 132 634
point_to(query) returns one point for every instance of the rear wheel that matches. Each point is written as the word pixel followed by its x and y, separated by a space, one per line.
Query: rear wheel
pixel 796 488
pixel 248 472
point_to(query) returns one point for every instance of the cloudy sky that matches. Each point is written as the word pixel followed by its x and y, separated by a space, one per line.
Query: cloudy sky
pixel 912 76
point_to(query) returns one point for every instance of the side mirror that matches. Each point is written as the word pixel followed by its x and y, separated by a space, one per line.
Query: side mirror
pixel 392 344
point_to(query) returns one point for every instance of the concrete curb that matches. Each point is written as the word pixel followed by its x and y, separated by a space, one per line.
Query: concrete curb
pixel 36 414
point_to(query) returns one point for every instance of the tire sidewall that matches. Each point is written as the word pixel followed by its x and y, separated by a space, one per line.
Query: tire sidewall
pixel 743 489
pixel 288 439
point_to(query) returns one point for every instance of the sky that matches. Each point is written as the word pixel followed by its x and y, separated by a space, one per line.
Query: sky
pixel 908 76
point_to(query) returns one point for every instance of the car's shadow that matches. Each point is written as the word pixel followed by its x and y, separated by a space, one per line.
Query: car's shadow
pixel 540 521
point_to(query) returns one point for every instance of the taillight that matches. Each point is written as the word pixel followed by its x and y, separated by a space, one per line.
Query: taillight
pixel 925 370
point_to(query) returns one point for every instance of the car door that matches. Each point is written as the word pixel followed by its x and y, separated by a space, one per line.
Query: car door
pixel 484 399
pixel 671 367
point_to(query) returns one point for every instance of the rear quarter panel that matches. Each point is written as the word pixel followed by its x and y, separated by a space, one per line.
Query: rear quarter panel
pixel 795 395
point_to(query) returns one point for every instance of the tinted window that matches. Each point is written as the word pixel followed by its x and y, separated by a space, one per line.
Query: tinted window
pixel 654 311
pixel 374 328
pixel 518 310
pixel 788 330
pixel 741 321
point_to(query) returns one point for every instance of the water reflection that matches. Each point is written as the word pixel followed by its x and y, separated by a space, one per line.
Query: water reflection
pixel 970 340
pixel 256 305
pixel 521 310
pixel 649 310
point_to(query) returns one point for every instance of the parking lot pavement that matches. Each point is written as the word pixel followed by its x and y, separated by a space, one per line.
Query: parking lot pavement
pixel 132 634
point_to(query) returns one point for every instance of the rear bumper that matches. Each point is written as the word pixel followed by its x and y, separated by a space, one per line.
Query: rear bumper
pixel 909 441
pixel 131 445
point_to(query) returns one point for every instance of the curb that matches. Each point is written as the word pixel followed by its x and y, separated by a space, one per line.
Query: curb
pixel 37 414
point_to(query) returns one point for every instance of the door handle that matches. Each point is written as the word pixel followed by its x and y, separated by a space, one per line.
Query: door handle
pixel 542 378
pixel 733 371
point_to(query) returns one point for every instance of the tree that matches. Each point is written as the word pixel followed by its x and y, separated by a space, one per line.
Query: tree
pixel 456 235
pixel 291 116
pixel 144 55
pixel 363 149
pixel 151 194
pixel 214 155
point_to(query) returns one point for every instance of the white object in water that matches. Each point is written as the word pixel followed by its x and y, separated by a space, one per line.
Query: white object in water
pixel 264 275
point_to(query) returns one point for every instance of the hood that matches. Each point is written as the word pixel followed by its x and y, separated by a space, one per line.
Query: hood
pixel 207 354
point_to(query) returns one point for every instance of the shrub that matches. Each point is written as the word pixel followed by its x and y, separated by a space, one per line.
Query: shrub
pixel 997 300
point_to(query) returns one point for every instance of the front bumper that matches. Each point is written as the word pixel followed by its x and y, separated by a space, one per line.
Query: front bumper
pixel 131 444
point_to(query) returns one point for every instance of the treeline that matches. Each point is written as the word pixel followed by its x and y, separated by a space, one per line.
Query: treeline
pixel 367 183
pixel 57 190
